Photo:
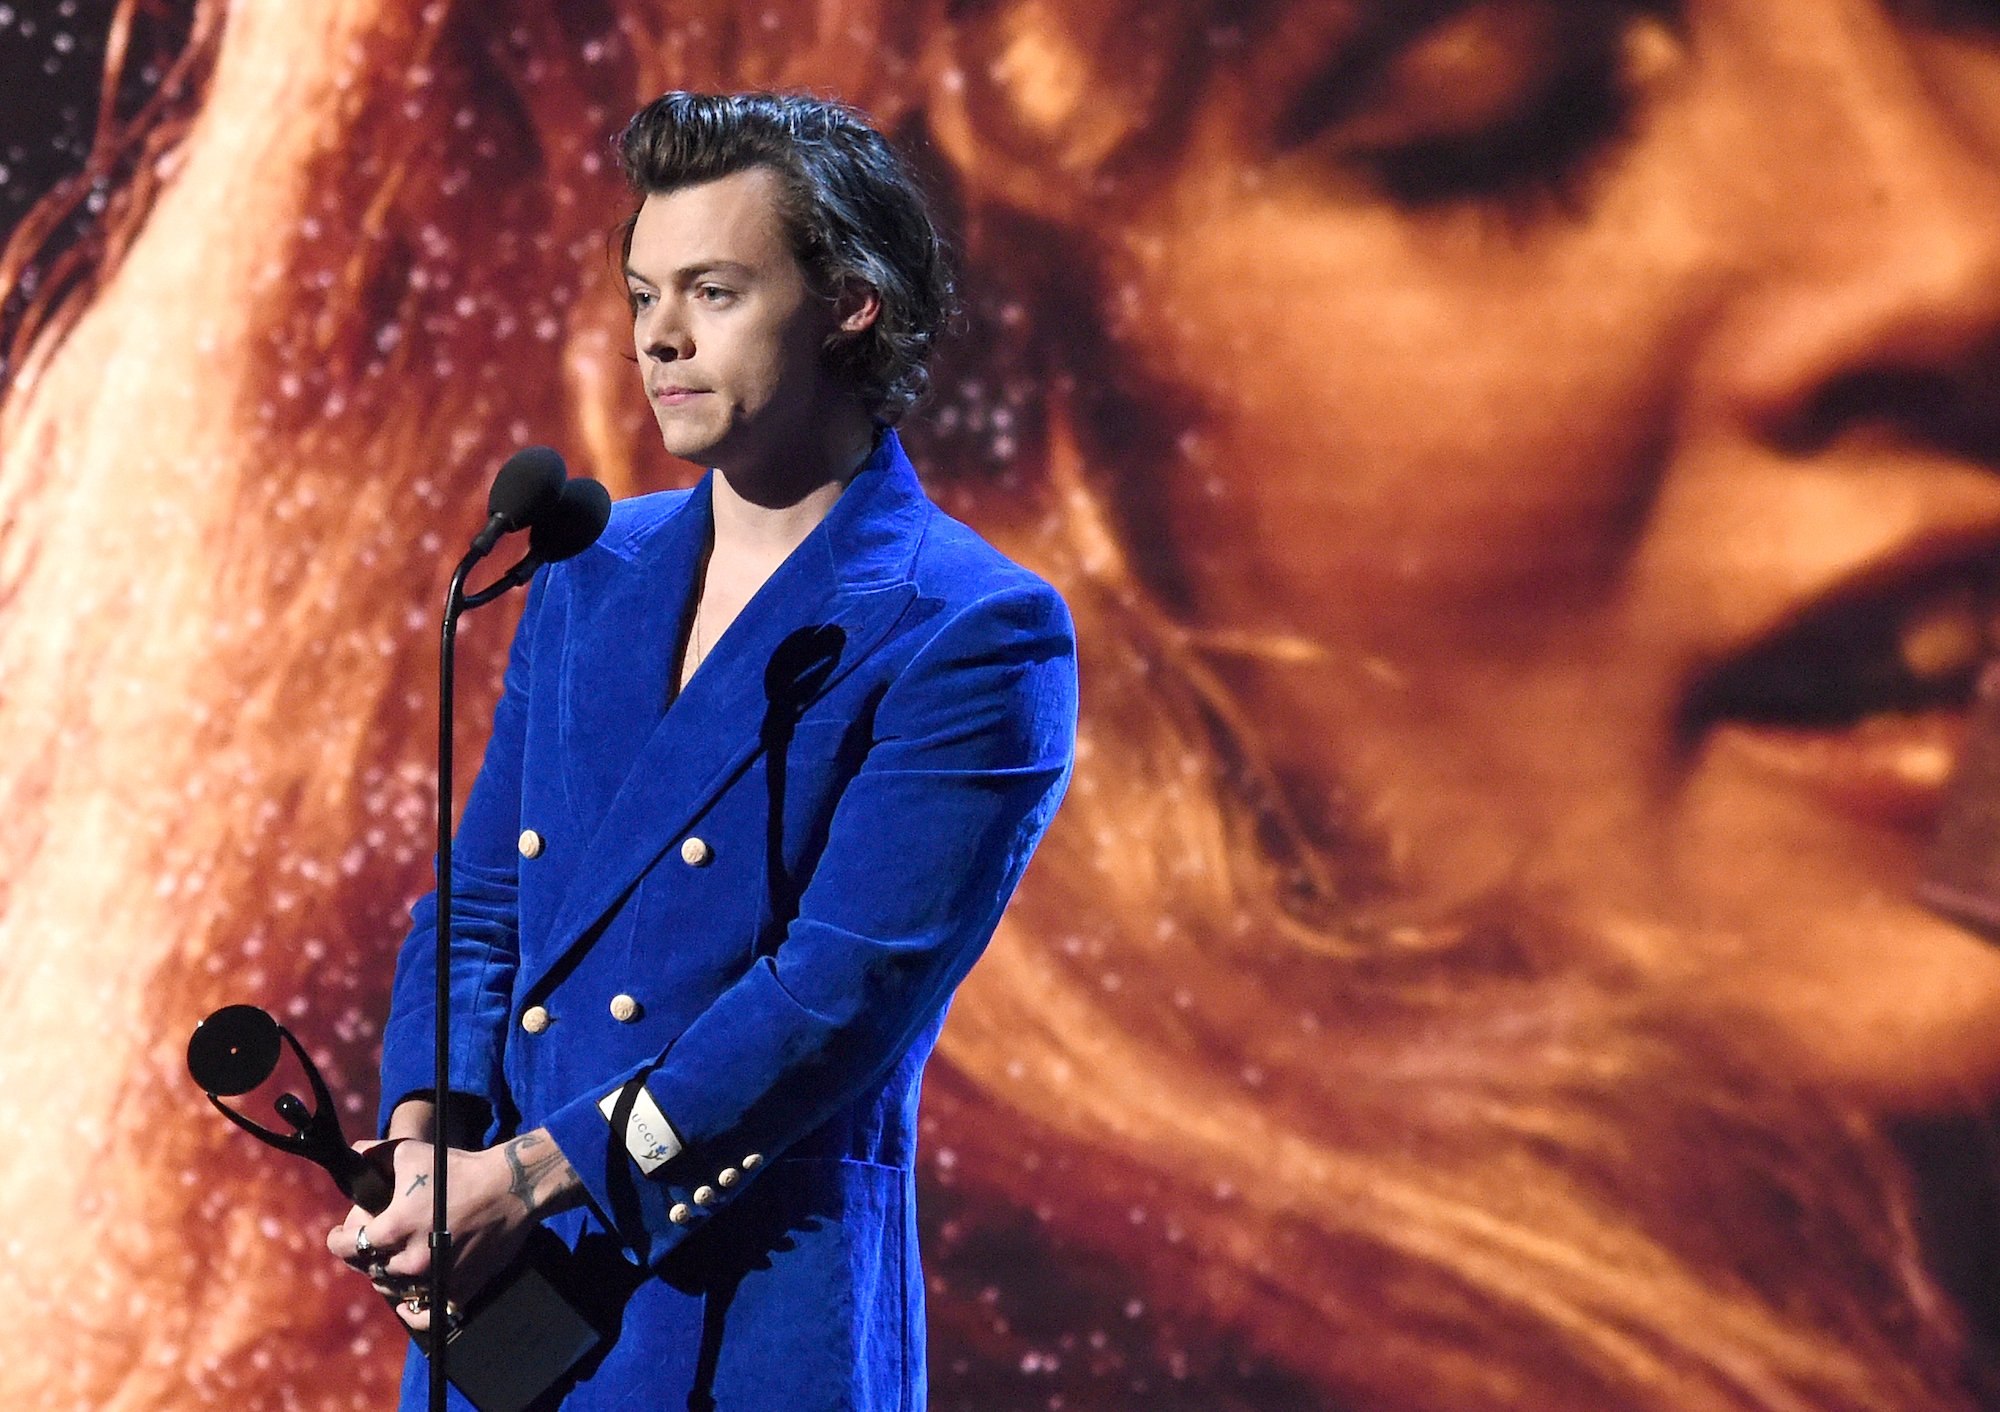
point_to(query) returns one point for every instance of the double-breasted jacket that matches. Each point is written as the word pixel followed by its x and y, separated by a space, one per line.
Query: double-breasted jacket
pixel 744 913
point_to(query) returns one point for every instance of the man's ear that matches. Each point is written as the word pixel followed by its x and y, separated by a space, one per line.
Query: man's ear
pixel 857 306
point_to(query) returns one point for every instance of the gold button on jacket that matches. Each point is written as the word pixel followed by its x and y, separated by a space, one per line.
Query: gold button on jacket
pixel 695 852
pixel 624 1009
pixel 681 1214
pixel 535 1019
pixel 531 844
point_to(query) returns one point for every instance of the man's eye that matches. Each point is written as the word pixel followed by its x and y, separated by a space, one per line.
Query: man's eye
pixel 638 299
pixel 1507 101
pixel 712 293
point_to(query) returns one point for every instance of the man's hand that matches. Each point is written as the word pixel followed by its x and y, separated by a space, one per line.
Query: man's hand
pixel 495 1196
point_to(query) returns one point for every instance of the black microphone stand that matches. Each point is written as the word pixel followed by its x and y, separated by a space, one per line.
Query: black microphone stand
pixel 440 1239
pixel 571 536
pixel 456 603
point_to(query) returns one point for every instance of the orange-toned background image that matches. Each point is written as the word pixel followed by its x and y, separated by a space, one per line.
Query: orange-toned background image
pixel 1525 473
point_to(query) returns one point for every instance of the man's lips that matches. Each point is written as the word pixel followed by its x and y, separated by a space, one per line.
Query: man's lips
pixel 674 395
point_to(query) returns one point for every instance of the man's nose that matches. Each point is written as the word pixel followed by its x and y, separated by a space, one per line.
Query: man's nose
pixel 664 334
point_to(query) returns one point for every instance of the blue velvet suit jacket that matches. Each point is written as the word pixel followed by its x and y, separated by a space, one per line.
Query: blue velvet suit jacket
pixel 779 879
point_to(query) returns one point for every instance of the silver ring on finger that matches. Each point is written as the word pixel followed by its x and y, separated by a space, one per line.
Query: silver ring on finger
pixel 363 1246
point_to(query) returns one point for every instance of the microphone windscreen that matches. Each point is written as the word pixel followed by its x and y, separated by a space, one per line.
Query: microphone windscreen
pixel 573 523
pixel 527 486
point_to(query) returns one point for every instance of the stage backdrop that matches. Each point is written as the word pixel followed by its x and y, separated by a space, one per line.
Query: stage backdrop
pixel 1524 471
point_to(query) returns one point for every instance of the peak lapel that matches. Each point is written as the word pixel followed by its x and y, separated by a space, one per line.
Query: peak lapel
pixel 619 645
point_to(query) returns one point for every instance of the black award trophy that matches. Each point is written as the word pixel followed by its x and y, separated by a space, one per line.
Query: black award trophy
pixel 519 1336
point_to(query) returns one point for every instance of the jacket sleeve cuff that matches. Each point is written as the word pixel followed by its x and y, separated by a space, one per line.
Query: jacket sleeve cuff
pixel 654 1210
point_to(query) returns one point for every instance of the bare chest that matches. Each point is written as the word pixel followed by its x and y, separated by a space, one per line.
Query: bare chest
pixel 728 582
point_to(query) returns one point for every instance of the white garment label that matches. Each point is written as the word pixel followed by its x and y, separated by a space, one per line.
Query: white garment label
pixel 649 1137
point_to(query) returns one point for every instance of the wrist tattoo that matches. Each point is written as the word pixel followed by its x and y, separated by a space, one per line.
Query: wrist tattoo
pixel 418 1183
pixel 539 1170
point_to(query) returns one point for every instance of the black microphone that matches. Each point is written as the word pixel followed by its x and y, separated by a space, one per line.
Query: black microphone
pixel 568 527
pixel 526 488
pixel 581 511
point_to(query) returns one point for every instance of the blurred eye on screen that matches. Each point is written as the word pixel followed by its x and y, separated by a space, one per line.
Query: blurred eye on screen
pixel 1958 16
pixel 1504 101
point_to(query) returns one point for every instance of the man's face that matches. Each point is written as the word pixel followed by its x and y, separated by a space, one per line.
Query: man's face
pixel 728 334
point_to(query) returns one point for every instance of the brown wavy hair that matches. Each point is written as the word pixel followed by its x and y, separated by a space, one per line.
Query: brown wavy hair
pixel 852 212
pixel 1223 1120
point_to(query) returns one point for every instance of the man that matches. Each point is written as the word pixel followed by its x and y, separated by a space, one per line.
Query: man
pixel 769 762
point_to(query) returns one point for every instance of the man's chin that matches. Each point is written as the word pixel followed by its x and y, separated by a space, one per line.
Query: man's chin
pixel 690 439
pixel 696 450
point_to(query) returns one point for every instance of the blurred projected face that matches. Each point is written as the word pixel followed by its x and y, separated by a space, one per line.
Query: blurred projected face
pixel 1610 391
